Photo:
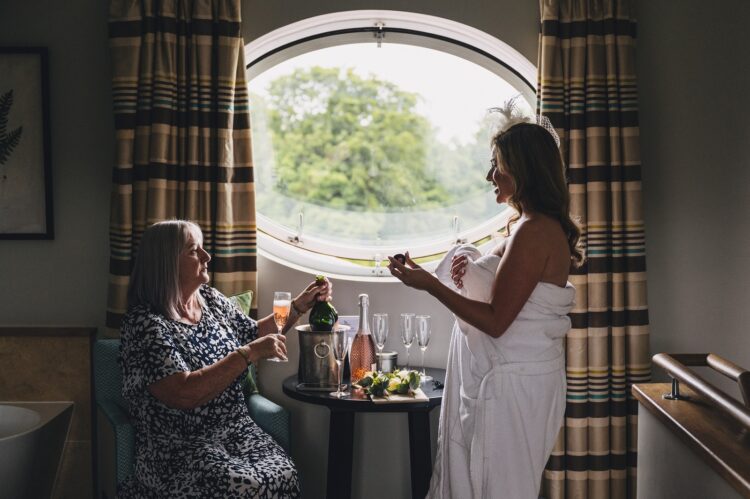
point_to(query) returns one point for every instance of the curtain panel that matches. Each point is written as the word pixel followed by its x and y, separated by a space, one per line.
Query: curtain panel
pixel 182 129
pixel 587 88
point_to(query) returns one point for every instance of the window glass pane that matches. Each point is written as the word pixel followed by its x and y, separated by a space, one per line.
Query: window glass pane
pixel 376 146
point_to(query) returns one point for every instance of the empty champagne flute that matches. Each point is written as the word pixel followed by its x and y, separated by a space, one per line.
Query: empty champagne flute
pixel 407 333
pixel 282 304
pixel 380 332
pixel 423 338
pixel 340 349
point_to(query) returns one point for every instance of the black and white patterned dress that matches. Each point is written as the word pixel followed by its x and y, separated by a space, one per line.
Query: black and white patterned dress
pixel 215 450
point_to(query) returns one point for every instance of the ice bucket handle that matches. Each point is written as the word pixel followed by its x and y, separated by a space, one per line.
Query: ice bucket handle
pixel 320 347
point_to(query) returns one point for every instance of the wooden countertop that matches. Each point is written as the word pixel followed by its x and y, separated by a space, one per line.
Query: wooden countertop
pixel 721 441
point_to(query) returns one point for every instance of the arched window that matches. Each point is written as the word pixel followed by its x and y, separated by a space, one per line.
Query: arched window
pixel 370 137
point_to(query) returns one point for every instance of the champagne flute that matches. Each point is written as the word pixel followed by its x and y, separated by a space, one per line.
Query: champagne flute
pixel 423 338
pixel 340 349
pixel 407 333
pixel 380 332
pixel 282 304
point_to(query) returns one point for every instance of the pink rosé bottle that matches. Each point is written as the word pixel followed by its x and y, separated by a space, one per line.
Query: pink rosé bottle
pixel 362 356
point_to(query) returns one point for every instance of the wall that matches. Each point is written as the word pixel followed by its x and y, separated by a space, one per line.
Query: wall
pixel 64 281
pixel 695 143
pixel 693 79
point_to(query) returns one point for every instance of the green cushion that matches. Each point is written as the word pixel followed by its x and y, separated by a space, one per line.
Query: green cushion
pixel 244 302
pixel 250 387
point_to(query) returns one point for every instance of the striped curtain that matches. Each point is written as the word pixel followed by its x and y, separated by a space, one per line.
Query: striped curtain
pixel 587 88
pixel 182 129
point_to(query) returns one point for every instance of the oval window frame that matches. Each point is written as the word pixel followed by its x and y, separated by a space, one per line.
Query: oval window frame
pixel 312 254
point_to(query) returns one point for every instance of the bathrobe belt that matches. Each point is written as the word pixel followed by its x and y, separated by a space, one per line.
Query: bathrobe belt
pixel 476 460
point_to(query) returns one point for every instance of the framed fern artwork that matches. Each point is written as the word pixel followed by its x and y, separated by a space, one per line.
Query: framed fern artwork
pixel 25 176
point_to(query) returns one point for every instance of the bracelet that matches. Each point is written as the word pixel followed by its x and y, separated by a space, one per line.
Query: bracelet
pixel 242 353
pixel 297 311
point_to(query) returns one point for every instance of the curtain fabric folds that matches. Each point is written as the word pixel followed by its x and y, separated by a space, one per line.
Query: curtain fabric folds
pixel 182 128
pixel 587 88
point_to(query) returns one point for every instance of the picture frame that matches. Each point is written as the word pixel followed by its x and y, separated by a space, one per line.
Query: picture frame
pixel 25 160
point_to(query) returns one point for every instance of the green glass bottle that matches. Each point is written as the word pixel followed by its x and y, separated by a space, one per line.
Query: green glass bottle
pixel 323 315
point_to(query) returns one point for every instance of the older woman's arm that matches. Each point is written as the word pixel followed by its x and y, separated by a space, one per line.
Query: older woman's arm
pixel 188 390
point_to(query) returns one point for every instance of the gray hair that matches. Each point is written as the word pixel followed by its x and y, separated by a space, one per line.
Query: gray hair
pixel 155 279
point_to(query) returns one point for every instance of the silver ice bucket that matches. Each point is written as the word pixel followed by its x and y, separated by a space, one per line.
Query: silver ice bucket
pixel 317 365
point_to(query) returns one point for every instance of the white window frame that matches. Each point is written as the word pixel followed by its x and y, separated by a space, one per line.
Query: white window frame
pixel 313 254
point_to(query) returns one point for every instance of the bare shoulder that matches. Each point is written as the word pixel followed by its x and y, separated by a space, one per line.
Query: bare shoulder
pixel 544 239
pixel 541 235
pixel 534 230
pixel 499 248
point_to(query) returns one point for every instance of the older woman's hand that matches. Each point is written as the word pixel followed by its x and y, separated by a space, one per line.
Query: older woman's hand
pixel 315 291
pixel 268 346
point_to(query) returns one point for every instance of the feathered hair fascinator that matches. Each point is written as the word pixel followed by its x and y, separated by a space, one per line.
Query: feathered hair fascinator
pixel 512 113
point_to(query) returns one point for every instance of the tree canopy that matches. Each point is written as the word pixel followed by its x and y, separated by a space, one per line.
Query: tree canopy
pixel 355 154
pixel 344 141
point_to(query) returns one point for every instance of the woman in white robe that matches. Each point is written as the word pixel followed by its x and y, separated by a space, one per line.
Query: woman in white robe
pixel 504 397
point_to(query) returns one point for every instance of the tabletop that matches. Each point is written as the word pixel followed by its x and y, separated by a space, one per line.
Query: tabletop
pixel 356 404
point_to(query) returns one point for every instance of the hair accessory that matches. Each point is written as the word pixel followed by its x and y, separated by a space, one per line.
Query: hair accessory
pixel 512 113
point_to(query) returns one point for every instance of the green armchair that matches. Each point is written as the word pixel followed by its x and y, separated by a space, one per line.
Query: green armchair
pixel 119 452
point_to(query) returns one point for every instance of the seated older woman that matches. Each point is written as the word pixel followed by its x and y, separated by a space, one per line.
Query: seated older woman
pixel 185 350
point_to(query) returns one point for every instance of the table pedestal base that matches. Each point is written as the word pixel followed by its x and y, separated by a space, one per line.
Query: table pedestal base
pixel 341 450
pixel 419 453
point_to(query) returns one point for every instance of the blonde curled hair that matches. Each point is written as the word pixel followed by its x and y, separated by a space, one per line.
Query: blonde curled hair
pixel 529 154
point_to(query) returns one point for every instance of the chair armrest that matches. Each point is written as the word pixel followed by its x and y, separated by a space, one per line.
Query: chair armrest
pixel 124 438
pixel 271 417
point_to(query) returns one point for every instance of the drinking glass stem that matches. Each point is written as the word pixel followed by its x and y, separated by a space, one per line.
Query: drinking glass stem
pixel 423 371
pixel 338 387
pixel 278 359
pixel 407 357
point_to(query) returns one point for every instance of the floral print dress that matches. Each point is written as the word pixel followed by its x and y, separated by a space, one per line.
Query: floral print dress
pixel 215 450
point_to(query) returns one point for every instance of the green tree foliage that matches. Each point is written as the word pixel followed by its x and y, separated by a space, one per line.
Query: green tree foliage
pixel 355 156
pixel 351 143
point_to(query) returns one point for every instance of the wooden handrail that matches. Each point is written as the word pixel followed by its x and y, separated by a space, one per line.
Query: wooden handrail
pixel 722 366
pixel 675 365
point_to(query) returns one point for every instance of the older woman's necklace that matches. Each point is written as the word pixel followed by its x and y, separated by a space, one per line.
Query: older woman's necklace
pixel 192 313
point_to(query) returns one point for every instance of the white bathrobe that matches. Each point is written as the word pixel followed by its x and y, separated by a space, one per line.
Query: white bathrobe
pixel 504 398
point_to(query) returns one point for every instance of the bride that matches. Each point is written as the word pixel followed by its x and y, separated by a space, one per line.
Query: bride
pixel 504 397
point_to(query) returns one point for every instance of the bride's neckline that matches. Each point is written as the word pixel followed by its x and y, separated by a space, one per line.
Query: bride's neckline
pixel 567 284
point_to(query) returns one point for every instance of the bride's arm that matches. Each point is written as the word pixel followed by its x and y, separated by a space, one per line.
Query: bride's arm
pixel 520 269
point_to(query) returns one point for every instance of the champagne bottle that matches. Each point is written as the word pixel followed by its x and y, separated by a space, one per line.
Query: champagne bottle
pixel 323 315
pixel 362 355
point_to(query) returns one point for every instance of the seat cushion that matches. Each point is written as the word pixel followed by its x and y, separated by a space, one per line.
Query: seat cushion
pixel 243 301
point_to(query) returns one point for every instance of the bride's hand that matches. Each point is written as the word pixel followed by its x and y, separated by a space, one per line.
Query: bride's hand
pixel 410 273
pixel 458 269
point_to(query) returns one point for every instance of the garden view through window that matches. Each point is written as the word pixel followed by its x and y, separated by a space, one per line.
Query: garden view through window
pixel 378 147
